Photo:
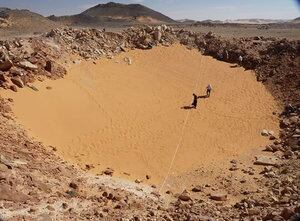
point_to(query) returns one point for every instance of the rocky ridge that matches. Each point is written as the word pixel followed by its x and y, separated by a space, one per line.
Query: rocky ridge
pixel 14 22
pixel 31 174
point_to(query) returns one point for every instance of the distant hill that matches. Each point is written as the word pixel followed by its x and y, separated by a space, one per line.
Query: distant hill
pixel 295 21
pixel 186 21
pixel 212 21
pixel 23 22
pixel 114 13
pixel 255 21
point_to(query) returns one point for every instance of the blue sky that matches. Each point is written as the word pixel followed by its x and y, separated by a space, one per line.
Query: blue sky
pixel 177 9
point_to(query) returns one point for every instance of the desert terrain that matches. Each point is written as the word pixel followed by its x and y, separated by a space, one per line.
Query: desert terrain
pixel 130 117
pixel 116 17
pixel 248 31
pixel 98 124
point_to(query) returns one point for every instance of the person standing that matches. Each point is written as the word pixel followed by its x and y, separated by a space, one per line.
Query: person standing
pixel 208 90
pixel 240 60
pixel 226 55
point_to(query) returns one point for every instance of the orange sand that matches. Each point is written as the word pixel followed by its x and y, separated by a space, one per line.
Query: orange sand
pixel 129 117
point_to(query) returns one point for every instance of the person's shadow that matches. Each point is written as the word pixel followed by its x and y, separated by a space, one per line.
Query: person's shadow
pixel 189 107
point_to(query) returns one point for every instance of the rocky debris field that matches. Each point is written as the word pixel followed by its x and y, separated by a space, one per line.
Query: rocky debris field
pixel 37 185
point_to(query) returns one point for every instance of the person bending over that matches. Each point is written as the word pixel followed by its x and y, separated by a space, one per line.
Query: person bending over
pixel 195 101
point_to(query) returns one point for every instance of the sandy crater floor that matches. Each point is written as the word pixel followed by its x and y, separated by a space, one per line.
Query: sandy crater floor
pixel 130 117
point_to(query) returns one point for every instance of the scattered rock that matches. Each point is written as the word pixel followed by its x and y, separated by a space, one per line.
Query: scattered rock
pixel 32 210
pixel 73 185
pixel 218 196
pixel 264 132
pixel 9 194
pixel 71 193
pixel 233 161
pixel 7 116
pixel 44 217
pixel 271 133
pixel 49 66
pixel 233 167
pixel 27 65
pixel 203 218
pixel 269 149
pixel 265 161
pixel 17 81
pixel 5 65
pixel 137 181
pixel 184 196
pixel 6 162
pixel 3 77
pixel 89 166
pixel 287 213
pixel 287 154
pixel 168 192
pixel 128 60
pixel 155 193
pixel 270 174
pixel 13 88
pixel 151 213
pixel 243 181
pixel 51 208
pixel 32 87
pixel 210 34
pixel 64 205
pixel 157 35
pixel 296 136
pixel 108 171
pixel 14 71
pixel 254 212
pixel 197 188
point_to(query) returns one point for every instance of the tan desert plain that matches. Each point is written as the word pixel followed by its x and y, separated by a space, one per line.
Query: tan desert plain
pixel 131 117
